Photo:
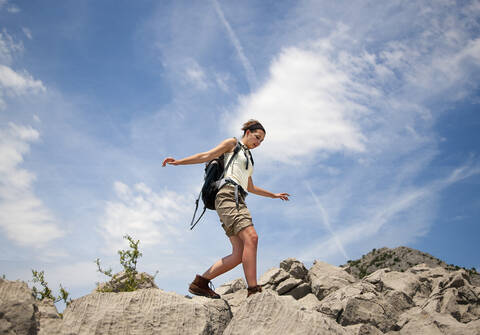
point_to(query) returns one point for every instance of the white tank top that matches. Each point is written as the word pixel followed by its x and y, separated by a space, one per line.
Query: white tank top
pixel 236 171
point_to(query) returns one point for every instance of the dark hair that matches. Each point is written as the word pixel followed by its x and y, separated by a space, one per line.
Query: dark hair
pixel 252 125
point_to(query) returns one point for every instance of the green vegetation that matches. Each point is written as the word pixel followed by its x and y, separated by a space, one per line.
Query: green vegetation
pixel 46 292
pixel 363 272
pixel 129 280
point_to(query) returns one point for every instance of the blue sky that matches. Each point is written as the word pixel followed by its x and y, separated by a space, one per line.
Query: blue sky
pixel 371 111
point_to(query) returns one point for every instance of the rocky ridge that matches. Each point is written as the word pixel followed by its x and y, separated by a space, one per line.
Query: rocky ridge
pixel 398 259
pixel 425 298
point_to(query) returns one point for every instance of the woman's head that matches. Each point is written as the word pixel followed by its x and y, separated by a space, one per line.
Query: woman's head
pixel 253 134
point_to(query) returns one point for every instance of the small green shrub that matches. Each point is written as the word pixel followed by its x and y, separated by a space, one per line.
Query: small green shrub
pixel 128 259
pixel 46 292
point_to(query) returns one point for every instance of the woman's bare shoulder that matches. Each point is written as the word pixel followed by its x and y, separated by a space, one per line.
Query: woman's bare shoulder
pixel 230 143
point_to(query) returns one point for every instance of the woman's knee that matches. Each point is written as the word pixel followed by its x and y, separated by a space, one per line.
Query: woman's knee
pixel 254 238
pixel 249 237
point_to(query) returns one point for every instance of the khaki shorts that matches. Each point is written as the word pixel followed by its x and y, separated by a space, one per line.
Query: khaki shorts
pixel 233 220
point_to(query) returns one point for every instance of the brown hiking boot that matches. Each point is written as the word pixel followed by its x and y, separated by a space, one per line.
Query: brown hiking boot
pixel 253 290
pixel 200 287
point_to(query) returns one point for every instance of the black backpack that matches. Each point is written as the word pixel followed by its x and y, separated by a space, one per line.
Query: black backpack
pixel 214 172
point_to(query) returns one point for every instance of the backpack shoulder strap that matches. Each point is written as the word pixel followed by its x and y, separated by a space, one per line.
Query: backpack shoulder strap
pixel 238 146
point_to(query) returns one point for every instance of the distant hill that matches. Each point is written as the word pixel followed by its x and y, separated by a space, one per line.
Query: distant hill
pixel 398 259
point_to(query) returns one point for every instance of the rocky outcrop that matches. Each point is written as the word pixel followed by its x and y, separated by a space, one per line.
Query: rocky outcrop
pixel 325 279
pixel 49 321
pixel 324 299
pixel 267 313
pixel 399 259
pixel 289 279
pixel 21 314
pixel 232 286
pixel 147 311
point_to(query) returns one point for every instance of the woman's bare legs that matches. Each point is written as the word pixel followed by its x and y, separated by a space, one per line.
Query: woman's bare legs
pixel 244 251
pixel 249 238
pixel 228 262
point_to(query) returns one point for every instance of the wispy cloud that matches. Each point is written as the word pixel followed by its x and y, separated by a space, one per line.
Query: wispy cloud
pixel 249 70
pixel 393 212
pixel 23 216
pixel 196 75
pixel 27 32
pixel 326 222
pixel 9 47
pixel 14 9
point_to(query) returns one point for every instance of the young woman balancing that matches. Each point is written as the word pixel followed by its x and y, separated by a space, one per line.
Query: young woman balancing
pixel 231 208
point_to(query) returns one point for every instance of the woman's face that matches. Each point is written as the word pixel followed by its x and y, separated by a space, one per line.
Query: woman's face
pixel 254 138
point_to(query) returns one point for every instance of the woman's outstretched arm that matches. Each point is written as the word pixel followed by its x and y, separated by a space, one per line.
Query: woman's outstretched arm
pixel 260 191
pixel 202 157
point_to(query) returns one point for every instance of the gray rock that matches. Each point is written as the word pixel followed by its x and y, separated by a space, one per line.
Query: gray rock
pixel 287 285
pixel 300 291
pixel 361 303
pixel 309 302
pixel 455 295
pixel 295 268
pixel 17 308
pixel 232 286
pixel 267 313
pixel 325 279
pixel 417 321
pixel 49 322
pixel 406 282
pixel 235 299
pixel 149 311
pixel 362 329
pixel 273 277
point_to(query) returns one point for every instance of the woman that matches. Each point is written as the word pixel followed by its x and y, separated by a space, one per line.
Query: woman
pixel 231 208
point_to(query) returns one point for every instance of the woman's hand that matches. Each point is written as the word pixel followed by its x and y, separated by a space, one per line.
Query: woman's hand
pixel 169 160
pixel 283 196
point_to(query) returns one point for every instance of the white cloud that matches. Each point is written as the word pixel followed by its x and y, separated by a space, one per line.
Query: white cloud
pixel 18 83
pixel 15 84
pixel 196 75
pixel 13 9
pixel 308 104
pixel 27 32
pixel 222 80
pixel 8 47
pixel 23 216
pixel 145 215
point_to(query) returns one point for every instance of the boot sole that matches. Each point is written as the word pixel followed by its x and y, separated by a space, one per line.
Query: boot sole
pixel 202 295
